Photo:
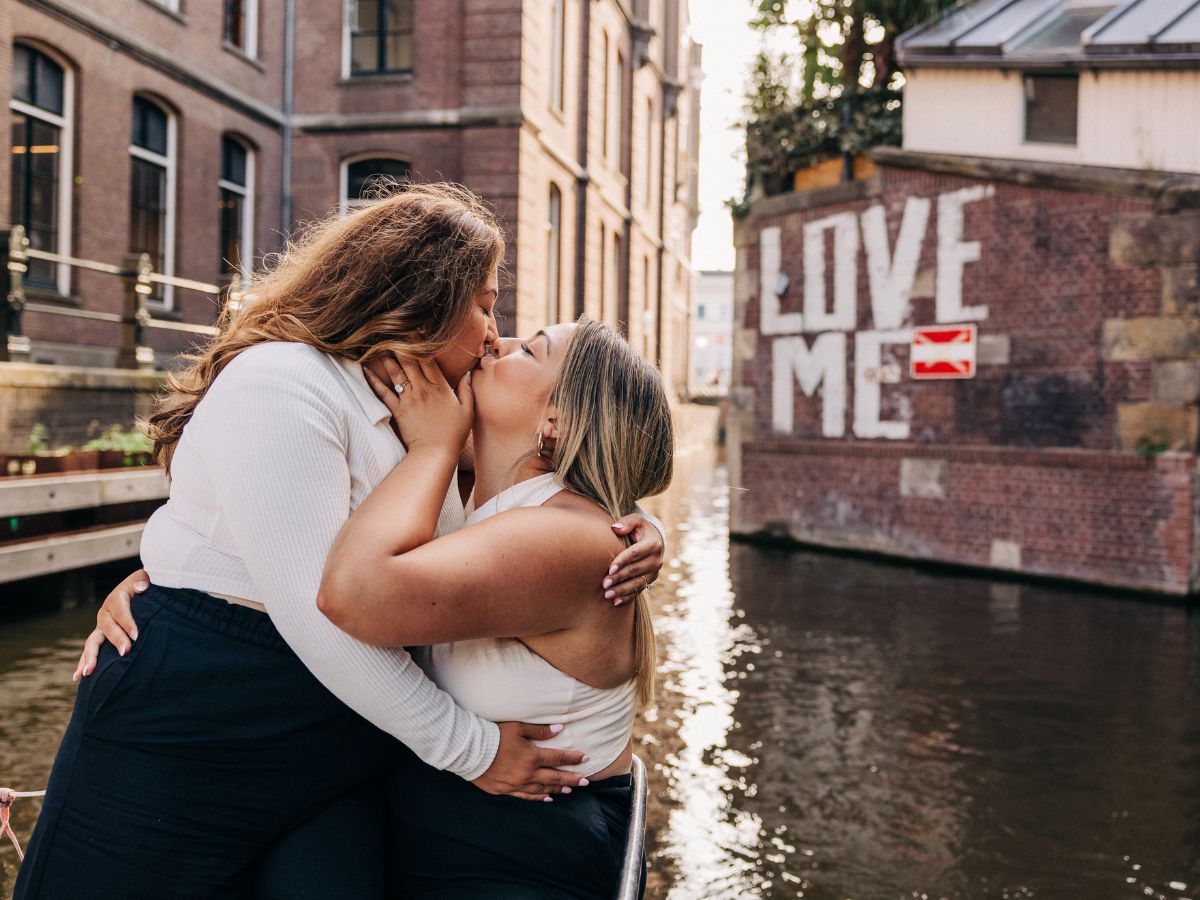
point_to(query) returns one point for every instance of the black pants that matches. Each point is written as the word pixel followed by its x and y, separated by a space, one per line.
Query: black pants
pixel 450 841
pixel 185 761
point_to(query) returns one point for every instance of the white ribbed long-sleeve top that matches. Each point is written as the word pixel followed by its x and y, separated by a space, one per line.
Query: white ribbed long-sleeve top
pixel 287 442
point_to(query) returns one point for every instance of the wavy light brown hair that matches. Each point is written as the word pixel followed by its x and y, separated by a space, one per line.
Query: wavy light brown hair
pixel 616 445
pixel 396 275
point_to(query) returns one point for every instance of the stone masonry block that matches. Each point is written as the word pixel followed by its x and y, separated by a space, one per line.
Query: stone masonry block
pixel 1005 554
pixel 1150 239
pixel 1181 291
pixel 1151 425
pixel 924 478
pixel 1177 382
pixel 1150 338
pixel 994 350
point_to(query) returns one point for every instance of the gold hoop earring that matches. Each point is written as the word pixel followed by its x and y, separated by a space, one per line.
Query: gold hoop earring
pixel 541 445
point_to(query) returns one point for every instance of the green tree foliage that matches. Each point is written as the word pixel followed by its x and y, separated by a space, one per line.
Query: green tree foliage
pixel 838 93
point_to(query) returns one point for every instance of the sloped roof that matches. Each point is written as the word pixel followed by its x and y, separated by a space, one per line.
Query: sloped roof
pixel 1068 33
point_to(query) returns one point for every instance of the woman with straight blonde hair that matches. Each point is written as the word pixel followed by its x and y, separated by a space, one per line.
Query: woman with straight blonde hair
pixel 235 712
pixel 571 428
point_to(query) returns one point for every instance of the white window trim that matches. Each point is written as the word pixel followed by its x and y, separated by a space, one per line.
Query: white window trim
pixel 168 162
pixel 554 244
pixel 345 204
pixel 251 13
pixel 66 162
pixel 347 12
pixel 558 55
pixel 247 193
pixel 172 5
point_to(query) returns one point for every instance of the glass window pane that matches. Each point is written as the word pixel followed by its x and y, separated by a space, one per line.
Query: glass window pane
pixel 235 28
pixel 399 51
pixel 231 234
pixel 365 174
pixel 233 161
pixel 149 126
pixel 367 18
pixel 364 52
pixel 1051 108
pixel 48 84
pixel 147 219
pixel 22 86
pixel 34 199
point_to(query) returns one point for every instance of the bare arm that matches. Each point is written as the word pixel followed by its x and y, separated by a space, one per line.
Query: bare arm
pixel 512 575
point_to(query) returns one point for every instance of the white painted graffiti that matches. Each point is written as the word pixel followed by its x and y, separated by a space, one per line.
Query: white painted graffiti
pixel 819 368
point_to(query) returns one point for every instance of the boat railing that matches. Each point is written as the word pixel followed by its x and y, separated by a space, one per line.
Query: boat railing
pixel 635 840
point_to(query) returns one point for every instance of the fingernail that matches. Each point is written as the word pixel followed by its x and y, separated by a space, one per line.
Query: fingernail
pixel 566 790
pixel 75 677
pixel 613 570
pixel 547 799
pixel 616 525
pixel 607 582
pixel 133 634
pixel 88 670
pixel 140 585
pixel 555 729
pixel 585 758
pixel 121 650
pixel 583 782
pixel 608 595
pixel 618 602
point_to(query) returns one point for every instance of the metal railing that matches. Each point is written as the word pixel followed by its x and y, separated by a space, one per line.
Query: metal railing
pixel 635 839
pixel 134 351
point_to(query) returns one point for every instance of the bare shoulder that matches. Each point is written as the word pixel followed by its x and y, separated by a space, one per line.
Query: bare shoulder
pixel 567 530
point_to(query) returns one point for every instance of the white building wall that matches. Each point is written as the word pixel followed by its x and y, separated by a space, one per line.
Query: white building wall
pixel 1146 119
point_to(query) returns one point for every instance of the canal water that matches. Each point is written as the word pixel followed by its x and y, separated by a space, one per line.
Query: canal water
pixel 830 727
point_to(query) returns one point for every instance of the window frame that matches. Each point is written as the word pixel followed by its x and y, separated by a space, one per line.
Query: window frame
pixel 65 122
pixel 249 46
pixel 558 55
pixel 345 203
pixel 247 193
pixel 1027 78
pixel 554 218
pixel 168 162
pixel 349 15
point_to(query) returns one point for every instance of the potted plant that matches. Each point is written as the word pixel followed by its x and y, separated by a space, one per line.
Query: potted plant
pixel 118 448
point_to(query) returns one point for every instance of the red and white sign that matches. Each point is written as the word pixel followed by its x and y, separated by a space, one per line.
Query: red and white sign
pixel 943 351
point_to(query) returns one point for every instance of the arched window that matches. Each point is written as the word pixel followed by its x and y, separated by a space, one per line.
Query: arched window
pixel 360 176
pixel 152 188
pixel 236 210
pixel 40 116
pixel 378 37
pixel 553 255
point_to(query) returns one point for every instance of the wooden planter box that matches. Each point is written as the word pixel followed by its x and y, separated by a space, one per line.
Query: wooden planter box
pixel 19 464
pixel 829 173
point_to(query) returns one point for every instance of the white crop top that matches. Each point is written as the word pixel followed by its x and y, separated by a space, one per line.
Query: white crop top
pixel 503 680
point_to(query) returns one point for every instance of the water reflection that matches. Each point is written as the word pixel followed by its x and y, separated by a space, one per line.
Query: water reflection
pixel 833 728
pixel 852 729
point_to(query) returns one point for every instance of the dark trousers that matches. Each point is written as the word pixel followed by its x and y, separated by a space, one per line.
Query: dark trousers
pixel 448 840
pixel 185 761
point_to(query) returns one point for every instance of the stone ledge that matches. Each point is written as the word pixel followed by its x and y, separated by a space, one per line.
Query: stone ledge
pixel 1139 424
pixel 32 375
pixel 1174 191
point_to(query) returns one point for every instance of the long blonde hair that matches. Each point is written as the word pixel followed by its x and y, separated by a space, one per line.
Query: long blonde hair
pixel 398 275
pixel 616 445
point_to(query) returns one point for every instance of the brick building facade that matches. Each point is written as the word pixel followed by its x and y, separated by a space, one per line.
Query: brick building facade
pixel 1043 223
pixel 1071 453
pixel 201 129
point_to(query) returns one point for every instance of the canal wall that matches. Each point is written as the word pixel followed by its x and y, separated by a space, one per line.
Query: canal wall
pixel 1064 447
pixel 68 399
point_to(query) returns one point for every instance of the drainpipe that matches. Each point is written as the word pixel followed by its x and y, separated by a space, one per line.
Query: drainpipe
pixel 285 166
pixel 581 181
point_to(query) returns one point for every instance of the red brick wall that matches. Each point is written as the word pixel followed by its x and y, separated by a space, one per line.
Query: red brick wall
pixel 1029 464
